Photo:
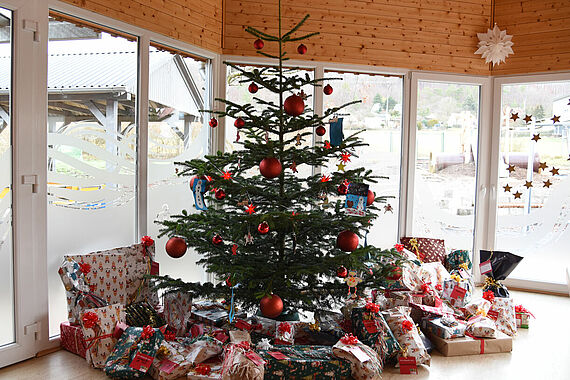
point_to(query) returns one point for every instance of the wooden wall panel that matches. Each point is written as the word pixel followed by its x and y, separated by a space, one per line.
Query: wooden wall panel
pixel 198 22
pixel 541 35
pixel 438 35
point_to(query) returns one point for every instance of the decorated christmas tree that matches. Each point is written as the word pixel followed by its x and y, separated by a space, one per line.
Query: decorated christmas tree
pixel 271 236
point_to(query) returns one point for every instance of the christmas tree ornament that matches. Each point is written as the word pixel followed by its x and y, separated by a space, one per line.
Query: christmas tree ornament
pixel 217 240
pixel 293 167
pixel 340 167
pixel 495 45
pixel 335 132
pixel 370 198
pixel 327 144
pixel 239 123
pixel 271 306
pixel 298 139
pixel 176 247
pixel 345 157
pixel 213 122
pixel 347 241
pixel 342 189
pixel 341 272
pixel 227 175
pixel 301 49
pixel 263 228
pixel 234 249
pixel 328 89
pixel 395 273
pixel 248 238
pixel 199 186
pixel 253 88
pixel 258 44
pixel 250 209
pixel 270 167
pixel 320 131
pixel 352 281
pixel 220 194
pixel 356 199
pixel 294 105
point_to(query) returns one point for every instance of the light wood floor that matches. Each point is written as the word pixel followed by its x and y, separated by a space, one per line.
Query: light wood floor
pixel 542 352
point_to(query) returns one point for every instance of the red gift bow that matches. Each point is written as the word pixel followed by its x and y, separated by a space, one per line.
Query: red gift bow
pixel 284 327
pixel 438 287
pixel 399 247
pixel 349 339
pixel 407 325
pixel 203 369
pixel 85 268
pixel 372 307
pixel 522 309
pixel 244 344
pixel 489 296
pixel 90 319
pixel 169 336
pixel 147 332
pixel 147 241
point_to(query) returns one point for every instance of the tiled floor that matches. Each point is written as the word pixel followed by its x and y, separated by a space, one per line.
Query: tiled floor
pixel 541 353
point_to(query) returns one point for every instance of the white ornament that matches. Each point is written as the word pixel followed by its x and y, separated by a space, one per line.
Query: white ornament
pixel 264 344
pixel 495 45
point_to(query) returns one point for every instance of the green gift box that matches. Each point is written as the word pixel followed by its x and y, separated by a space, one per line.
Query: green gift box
pixel 133 353
pixel 371 329
pixel 303 363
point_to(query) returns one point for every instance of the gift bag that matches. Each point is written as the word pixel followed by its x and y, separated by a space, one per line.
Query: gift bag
pixel 406 333
pixel 503 312
pixel 457 291
pixel 177 311
pixel 98 326
pixel 426 250
pixel 171 361
pixel 434 274
pixel 477 307
pixel 242 363
pixel 456 258
pixel 371 329
pixel 497 265
pixel 365 363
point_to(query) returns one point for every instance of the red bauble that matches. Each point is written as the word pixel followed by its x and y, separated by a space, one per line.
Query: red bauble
pixel 220 194
pixel 347 241
pixel 176 247
pixel 302 49
pixel 239 123
pixel 271 306
pixel 258 44
pixel 395 273
pixel 369 198
pixel 263 228
pixel 328 89
pixel 270 167
pixel 342 189
pixel 213 122
pixel 217 240
pixel 341 272
pixel 253 88
pixel 320 131
pixel 294 105
pixel 194 179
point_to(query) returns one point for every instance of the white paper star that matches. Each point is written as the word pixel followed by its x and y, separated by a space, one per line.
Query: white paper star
pixel 495 45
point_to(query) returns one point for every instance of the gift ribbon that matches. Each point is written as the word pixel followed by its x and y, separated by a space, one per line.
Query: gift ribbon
pixel 482 349
pixel 522 309
pixel 95 339
pixel 414 244
pixel 232 312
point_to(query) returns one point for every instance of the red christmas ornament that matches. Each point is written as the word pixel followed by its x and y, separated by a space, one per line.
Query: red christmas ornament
pixel 320 131
pixel 395 273
pixel 263 228
pixel 213 122
pixel 328 89
pixel 294 105
pixel 347 241
pixel 176 247
pixel 341 272
pixel 253 88
pixel 302 49
pixel 239 123
pixel 258 44
pixel 369 198
pixel 220 194
pixel 342 189
pixel 217 240
pixel 271 306
pixel 196 178
pixel 270 167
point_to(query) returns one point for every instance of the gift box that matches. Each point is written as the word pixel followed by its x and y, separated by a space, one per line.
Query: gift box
pixel 409 280
pixel 446 327
pixel 211 370
pixel 98 326
pixel 503 313
pixel 71 339
pixel 406 333
pixel 427 250
pixel 285 333
pixel 371 329
pixel 457 291
pixel 481 327
pixel 365 363
pixel 241 362
pixel 396 298
pixel 261 325
pixel 134 353
pixel 304 362
pixel 522 316
pixel 171 361
pixel 472 346
pixel 456 258
pixel 177 310
pixel 141 314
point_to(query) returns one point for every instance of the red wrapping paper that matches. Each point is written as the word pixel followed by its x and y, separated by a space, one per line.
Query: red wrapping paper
pixel 71 339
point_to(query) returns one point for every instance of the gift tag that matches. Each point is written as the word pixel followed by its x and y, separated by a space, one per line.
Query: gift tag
pixel 494 315
pixel 255 358
pixel 359 354
pixel 458 292
pixel 154 268
pixel 371 326
pixel 167 366
pixel 408 365
pixel 278 355
pixel 243 325
pixel 141 362
pixel 485 267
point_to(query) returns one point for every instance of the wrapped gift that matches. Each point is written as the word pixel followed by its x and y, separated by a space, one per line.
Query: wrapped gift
pixel 211 370
pixel 406 333
pixel 71 339
pixel 285 333
pixel 171 361
pixel 522 316
pixel 457 291
pixel 478 306
pixel 201 329
pixel 398 298
pixel 456 258
pixel 371 329
pixel 326 330
pixel 481 327
pixel 503 312
pixel 98 326
pixel 202 349
pixel 177 310
pixel 241 362
pixel 365 363
pixel 350 304
pixel 134 352
pixel 409 280
pixel 238 336
pixel 304 362
pixel 427 250
pixel 497 265
pixel 434 274
pixel 473 346
pixel 420 311
pixel 446 327
pixel 141 314
pixel 214 316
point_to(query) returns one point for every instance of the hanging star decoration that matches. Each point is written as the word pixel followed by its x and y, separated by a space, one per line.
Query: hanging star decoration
pixel 555 119
pixel 514 116
pixel 511 168
pixel 345 157
pixel 227 176
pixel 542 165
pixel 528 184
pixel 536 137
pixel 527 119
pixel 248 239
pixel 293 167
pixel 547 183
pixel 327 144
pixel 250 209
pixel 325 178
pixel 507 188
pixel 389 208
pixel 554 171
pixel 495 45
pixel 340 166
pixel 517 195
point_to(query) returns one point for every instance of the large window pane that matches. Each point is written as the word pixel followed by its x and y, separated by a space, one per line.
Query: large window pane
pixel 379 115
pixel 447 131
pixel 533 198
pixel 6 247
pixel 92 82
pixel 177 132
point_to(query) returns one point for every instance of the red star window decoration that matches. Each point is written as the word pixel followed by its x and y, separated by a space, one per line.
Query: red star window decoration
pixel 325 178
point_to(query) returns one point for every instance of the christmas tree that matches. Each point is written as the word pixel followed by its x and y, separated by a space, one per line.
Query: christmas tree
pixel 276 232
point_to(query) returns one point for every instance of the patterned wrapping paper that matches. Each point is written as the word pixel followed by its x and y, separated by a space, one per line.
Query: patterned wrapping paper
pixel 214 317
pixel 215 371
pixel 242 363
pixel 410 279
pixel 99 338
pixel 371 329
pixel 446 328
pixel 71 339
pixel 199 329
pixel 350 304
pixel 285 333
pixel 365 363
pixel 202 349
pixel 478 306
pixel 263 326
pixel 177 311
pixel 481 327
pixel 304 362
pixel 406 333
pixel 457 257
pixel 506 321
pixel 130 346
pixel 173 365
pixel 454 296
pixel 398 298
pixel 433 273
pixel 429 250
pixel 522 319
